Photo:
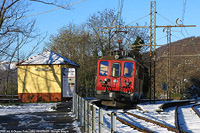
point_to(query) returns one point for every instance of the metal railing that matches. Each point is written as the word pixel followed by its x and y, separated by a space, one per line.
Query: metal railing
pixel 9 98
pixel 91 117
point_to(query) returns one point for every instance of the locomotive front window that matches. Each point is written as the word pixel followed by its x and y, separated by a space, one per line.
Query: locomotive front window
pixel 116 69
pixel 128 69
pixel 104 68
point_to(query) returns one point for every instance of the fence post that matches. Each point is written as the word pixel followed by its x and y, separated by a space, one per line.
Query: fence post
pixel 100 120
pixel 85 116
pixel 79 108
pixel 89 117
pixel 73 102
pixel 113 122
pixel 93 118
pixel 76 110
pixel 82 112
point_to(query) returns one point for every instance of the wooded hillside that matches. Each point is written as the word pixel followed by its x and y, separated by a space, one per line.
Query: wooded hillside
pixel 185 65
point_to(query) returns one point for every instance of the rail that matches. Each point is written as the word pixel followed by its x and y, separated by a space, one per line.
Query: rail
pixel 154 122
pixel 144 130
pixel 177 124
pixel 197 112
pixel 91 117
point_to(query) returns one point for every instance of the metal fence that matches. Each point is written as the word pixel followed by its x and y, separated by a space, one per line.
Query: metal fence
pixel 91 117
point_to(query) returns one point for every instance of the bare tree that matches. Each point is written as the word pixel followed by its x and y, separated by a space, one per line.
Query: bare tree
pixel 103 39
pixel 106 40
pixel 76 43
pixel 16 30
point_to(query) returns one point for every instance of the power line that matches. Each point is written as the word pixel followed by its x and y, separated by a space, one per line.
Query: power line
pixel 183 16
pixel 137 19
pixel 119 13
pixel 186 31
pixel 161 38
pixel 49 10
pixel 184 8
pixel 166 18
pixel 182 34
pixel 176 36
pixel 122 4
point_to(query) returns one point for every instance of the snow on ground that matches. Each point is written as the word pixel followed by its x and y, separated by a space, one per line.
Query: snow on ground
pixel 26 108
pixel 23 111
pixel 189 120
pixel 149 111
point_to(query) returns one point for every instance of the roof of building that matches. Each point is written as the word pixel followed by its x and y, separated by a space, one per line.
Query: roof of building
pixel 47 57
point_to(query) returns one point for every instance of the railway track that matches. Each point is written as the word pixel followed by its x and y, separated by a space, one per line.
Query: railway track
pixel 184 113
pixel 128 123
pixel 150 125
pixel 181 117
pixel 154 122
pixel 177 124
pixel 195 110
pixel 133 120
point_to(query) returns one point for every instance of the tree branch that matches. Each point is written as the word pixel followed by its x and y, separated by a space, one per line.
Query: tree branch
pixel 49 3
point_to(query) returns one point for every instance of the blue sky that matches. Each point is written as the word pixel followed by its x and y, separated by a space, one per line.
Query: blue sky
pixel 168 12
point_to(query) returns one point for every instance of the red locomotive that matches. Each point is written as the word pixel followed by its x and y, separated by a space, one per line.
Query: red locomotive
pixel 119 80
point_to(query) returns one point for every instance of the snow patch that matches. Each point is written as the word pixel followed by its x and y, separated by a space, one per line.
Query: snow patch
pixel 26 108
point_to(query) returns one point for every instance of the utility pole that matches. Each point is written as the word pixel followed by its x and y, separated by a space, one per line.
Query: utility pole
pixel 152 50
pixel 168 31
pixel 169 61
pixel 169 55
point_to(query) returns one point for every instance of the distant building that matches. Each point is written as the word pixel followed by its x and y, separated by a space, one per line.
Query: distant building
pixel 46 77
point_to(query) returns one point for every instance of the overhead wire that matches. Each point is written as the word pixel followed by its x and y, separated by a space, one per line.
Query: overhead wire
pixel 183 16
pixel 1 51
pixel 119 13
pixel 118 9
pixel 183 34
pixel 184 8
pixel 121 9
pixel 161 38
pixel 137 19
pixel 120 6
pixel 49 10
pixel 166 18
pixel 176 37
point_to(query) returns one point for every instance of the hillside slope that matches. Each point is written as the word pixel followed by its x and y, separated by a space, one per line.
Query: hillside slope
pixel 185 65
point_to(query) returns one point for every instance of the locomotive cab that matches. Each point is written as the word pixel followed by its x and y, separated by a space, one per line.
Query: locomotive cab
pixel 119 79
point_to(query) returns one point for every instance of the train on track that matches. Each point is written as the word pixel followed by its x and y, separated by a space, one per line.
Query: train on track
pixel 121 79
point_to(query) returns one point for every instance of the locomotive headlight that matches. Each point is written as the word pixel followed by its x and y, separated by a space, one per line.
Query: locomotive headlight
pixel 127 83
pixel 103 82
pixel 115 80
pixel 116 56
pixel 106 79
